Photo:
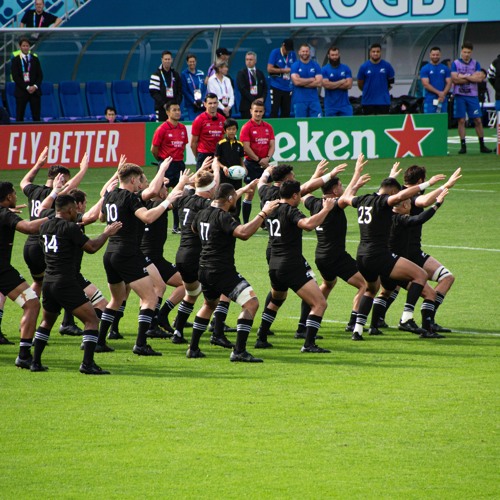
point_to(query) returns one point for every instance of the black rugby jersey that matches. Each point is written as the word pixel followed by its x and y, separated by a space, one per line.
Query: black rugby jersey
pixel 268 192
pixel 121 205
pixel 402 229
pixel 285 238
pixel 61 242
pixel 215 229
pixel 35 194
pixel 375 221
pixel 8 223
pixel 332 233
pixel 155 234
pixel 415 241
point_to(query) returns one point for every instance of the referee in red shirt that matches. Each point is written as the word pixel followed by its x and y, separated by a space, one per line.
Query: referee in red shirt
pixel 207 130
pixel 258 141
pixel 170 139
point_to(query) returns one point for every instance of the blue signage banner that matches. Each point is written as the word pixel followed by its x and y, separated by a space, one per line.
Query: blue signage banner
pixel 390 11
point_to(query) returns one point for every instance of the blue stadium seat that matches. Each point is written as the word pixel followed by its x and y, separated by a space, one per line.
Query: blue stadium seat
pixel 98 100
pixel 72 106
pixel 124 101
pixel 146 102
pixel 10 88
pixel 50 109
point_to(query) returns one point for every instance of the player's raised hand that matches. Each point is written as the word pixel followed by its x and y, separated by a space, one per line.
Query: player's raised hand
pixel 436 178
pixel 208 162
pixel 320 169
pixel 112 185
pixel 360 162
pixel 395 170
pixel 123 160
pixel 338 169
pixel 365 178
pixel 84 164
pixel 42 159
pixel 453 178
pixel 113 228
pixel 442 195
pixel 166 163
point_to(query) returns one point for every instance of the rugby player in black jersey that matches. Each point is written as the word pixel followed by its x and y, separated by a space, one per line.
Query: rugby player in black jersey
pixel 289 269
pixel 36 193
pixel 399 243
pixel 123 261
pixel 331 257
pixel 437 272
pixel 12 284
pixel 374 259
pixel 61 239
pixel 218 232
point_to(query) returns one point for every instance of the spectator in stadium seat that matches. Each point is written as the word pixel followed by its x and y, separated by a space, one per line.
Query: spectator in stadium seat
pixel 337 80
pixel 278 67
pixel 27 74
pixel 251 83
pixel 38 18
pixel 165 86
pixel 375 78
pixel 110 114
pixel 306 80
pixel 193 88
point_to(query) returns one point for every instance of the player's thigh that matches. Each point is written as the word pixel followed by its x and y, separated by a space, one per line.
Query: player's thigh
pixel 405 270
pixel 431 265
pixel 311 294
pixel 144 288
pixel 87 315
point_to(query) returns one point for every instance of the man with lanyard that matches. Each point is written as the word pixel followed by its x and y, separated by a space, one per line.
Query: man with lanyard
pixel 218 232
pixel 466 74
pixel 258 141
pixel 27 74
pixel 207 130
pixel 279 66
pixel 38 18
pixel 436 80
pixel 337 80
pixel 375 78
pixel 193 88
pixel 12 284
pixel 306 78
pixel 165 85
pixel 251 83
pixel 169 140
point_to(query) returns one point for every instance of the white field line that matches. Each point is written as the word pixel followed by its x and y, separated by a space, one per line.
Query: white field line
pixel 468 332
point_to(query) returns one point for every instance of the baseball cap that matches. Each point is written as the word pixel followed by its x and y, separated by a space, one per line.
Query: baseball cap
pixel 288 43
pixel 222 51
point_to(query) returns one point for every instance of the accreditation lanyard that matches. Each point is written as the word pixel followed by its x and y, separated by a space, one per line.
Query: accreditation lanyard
pixel 169 90
pixel 224 91
pixel 34 20
pixel 253 85
pixel 26 65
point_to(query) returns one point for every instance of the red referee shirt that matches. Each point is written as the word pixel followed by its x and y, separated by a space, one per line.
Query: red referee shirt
pixel 171 140
pixel 259 136
pixel 209 131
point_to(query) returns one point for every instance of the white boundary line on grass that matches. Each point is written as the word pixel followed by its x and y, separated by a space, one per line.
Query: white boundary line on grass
pixel 395 327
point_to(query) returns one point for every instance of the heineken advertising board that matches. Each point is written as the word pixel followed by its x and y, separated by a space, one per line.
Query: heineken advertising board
pixel 388 136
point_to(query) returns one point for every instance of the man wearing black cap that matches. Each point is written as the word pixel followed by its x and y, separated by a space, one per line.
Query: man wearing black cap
pixel 222 55
pixel 278 67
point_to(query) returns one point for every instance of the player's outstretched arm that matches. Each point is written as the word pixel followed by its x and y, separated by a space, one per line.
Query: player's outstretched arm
pixel 29 178
pixel 316 182
pixel 349 193
pixel 156 184
pixel 404 194
pixel 426 200
pixel 74 182
pixel 244 231
pixel 30 227
pixel 92 246
pixel 250 187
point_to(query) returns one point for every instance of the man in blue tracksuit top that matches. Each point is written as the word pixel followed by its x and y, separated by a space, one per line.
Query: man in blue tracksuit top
pixel 306 79
pixel 337 80
pixel 193 88
pixel 436 80
pixel 375 78
pixel 278 66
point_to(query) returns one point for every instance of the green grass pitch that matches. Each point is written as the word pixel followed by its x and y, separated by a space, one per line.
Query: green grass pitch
pixel 392 417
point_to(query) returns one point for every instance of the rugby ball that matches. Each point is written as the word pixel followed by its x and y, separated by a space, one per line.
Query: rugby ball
pixel 237 172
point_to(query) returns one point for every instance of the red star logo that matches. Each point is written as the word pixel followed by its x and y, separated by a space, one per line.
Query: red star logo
pixel 408 138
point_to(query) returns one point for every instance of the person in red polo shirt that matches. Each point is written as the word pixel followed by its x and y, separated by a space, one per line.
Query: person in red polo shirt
pixel 170 139
pixel 257 137
pixel 207 130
